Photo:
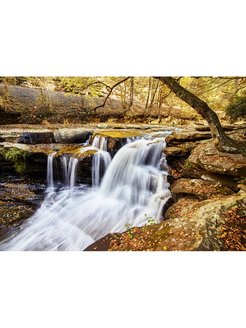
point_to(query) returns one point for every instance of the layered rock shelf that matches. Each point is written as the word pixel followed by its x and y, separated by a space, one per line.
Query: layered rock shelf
pixel 208 186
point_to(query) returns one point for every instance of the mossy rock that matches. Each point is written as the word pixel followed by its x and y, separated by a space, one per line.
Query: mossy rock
pixel 23 161
pixel 16 156
pixel 119 134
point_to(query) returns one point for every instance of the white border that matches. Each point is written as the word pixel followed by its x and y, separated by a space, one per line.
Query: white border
pixel 129 37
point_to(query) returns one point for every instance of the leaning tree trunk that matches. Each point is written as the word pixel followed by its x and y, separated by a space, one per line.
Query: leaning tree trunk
pixel 225 143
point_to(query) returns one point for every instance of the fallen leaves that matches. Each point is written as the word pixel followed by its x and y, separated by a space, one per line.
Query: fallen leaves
pixel 233 231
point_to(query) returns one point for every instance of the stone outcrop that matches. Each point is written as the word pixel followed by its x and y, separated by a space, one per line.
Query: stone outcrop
pixel 199 188
pixel 211 225
pixel 33 138
pixel 187 135
pixel 207 157
pixel 63 136
pixel 23 159
pixel 71 136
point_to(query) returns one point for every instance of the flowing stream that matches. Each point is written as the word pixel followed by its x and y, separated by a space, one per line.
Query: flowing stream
pixel 126 191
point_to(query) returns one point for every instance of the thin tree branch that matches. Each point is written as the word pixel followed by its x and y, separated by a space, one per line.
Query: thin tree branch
pixel 111 90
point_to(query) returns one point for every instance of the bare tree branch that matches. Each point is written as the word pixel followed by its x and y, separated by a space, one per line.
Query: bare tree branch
pixel 111 90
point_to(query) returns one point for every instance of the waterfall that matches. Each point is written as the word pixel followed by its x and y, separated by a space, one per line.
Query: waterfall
pixel 100 161
pixel 100 142
pixel 64 162
pixel 132 189
pixel 69 168
pixel 50 171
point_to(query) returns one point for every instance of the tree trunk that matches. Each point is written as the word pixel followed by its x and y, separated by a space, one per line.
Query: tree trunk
pixel 153 97
pixel 131 93
pixel 225 143
pixel 148 96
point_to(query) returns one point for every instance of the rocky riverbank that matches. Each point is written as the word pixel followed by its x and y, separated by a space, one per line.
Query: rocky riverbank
pixel 206 212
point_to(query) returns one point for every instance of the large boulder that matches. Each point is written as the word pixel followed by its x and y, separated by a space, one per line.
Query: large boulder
pixel 69 136
pixel 180 150
pixel 62 136
pixel 210 225
pixel 187 135
pixel 207 157
pixel 33 138
pixel 199 188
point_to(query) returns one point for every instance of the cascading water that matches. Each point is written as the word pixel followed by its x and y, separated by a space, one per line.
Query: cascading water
pixel 132 189
pixel 50 174
pixel 100 161
pixel 69 170
pixel 100 143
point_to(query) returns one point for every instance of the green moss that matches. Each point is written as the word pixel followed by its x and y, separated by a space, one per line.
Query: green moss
pixel 188 165
pixel 20 167
pixel 119 133
pixel 13 154
pixel 16 156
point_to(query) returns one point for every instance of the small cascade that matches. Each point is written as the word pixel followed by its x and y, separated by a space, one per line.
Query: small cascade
pixel 100 163
pixel 69 169
pixel 101 160
pixel 64 163
pixel 72 171
pixel 133 188
pixel 50 170
pixel 100 142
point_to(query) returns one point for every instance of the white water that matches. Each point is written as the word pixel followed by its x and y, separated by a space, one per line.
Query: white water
pixel 50 175
pixel 69 170
pixel 101 160
pixel 132 189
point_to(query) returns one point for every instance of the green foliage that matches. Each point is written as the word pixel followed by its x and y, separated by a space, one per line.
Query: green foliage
pixel 237 109
pixel 149 220
pixel 90 86
pixel 14 80
pixel 20 167
pixel 128 226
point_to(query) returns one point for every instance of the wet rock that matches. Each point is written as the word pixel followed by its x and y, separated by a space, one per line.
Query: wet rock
pixel 207 157
pixel 180 150
pixel 22 159
pixel 84 174
pixel 69 136
pixel 199 188
pixel 33 138
pixel 117 138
